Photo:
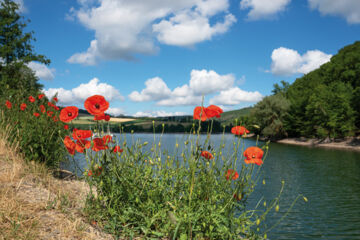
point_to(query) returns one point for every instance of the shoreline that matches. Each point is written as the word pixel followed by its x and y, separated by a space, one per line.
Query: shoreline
pixel 352 143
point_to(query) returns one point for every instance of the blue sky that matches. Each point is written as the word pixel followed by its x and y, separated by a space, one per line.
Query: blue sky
pixel 158 57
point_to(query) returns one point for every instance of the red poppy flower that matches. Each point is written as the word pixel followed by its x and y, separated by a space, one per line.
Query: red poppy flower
pixel 8 104
pixel 40 96
pixel 98 144
pixel 31 99
pixel 66 127
pixel 96 105
pixel 232 173
pixel 207 155
pixel 70 145
pixel 55 99
pixel 50 113
pixel 207 112
pixel 200 112
pixel 56 108
pixel 117 149
pixel 55 118
pixel 36 114
pixel 107 118
pixel 23 106
pixel 213 111
pixel 107 139
pixel 84 143
pixel 42 108
pixel 69 113
pixel 239 130
pixel 79 148
pixel 253 155
pixel 81 134
pixel 89 173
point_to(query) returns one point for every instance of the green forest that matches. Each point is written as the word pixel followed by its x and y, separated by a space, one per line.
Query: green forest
pixel 324 103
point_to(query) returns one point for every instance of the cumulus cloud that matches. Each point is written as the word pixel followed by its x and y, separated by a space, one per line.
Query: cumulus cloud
pixel 260 9
pixel 286 62
pixel 188 28
pixel 159 113
pixel 205 82
pixel 115 111
pixel 349 9
pixel 234 96
pixel 156 89
pixel 42 71
pixel 201 83
pixel 124 28
pixel 79 94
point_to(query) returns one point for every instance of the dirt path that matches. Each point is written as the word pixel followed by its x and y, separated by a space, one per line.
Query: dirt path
pixel 35 205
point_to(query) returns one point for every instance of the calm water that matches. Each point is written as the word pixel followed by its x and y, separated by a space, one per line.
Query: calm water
pixel 330 179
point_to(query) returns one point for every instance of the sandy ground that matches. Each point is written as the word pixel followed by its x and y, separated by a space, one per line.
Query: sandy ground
pixel 348 144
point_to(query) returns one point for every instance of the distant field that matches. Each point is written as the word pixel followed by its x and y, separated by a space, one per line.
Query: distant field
pixel 89 120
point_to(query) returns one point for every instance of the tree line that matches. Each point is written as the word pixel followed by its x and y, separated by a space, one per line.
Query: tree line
pixel 324 103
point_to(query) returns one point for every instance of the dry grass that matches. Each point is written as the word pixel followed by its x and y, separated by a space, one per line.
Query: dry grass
pixel 35 205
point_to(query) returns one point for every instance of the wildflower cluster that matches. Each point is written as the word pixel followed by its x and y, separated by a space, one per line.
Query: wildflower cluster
pixel 33 123
pixel 195 192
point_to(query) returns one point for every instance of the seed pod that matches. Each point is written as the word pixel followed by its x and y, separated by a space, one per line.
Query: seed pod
pixel 277 208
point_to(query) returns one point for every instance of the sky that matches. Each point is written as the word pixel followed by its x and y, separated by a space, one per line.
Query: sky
pixel 162 57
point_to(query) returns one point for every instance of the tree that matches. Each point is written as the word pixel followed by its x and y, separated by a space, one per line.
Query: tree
pixel 270 114
pixel 281 89
pixel 329 112
pixel 16 51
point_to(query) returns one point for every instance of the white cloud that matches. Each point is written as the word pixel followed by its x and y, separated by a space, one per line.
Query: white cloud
pixel 202 82
pixel 286 62
pixel 115 111
pixel 159 113
pixel 93 87
pixel 86 58
pixel 79 94
pixel 205 82
pixel 42 71
pixel 156 89
pixel 124 28
pixel 349 9
pixel 261 9
pixel 181 101
pixel 65 97
pixel 234 96
pixel 189 28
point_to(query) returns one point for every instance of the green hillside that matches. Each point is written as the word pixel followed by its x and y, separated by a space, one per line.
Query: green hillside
pixel 324 103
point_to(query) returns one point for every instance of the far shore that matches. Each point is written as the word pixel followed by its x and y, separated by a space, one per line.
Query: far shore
pixel 352 143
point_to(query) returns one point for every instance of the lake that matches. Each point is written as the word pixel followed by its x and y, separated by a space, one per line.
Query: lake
pixel 330 179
